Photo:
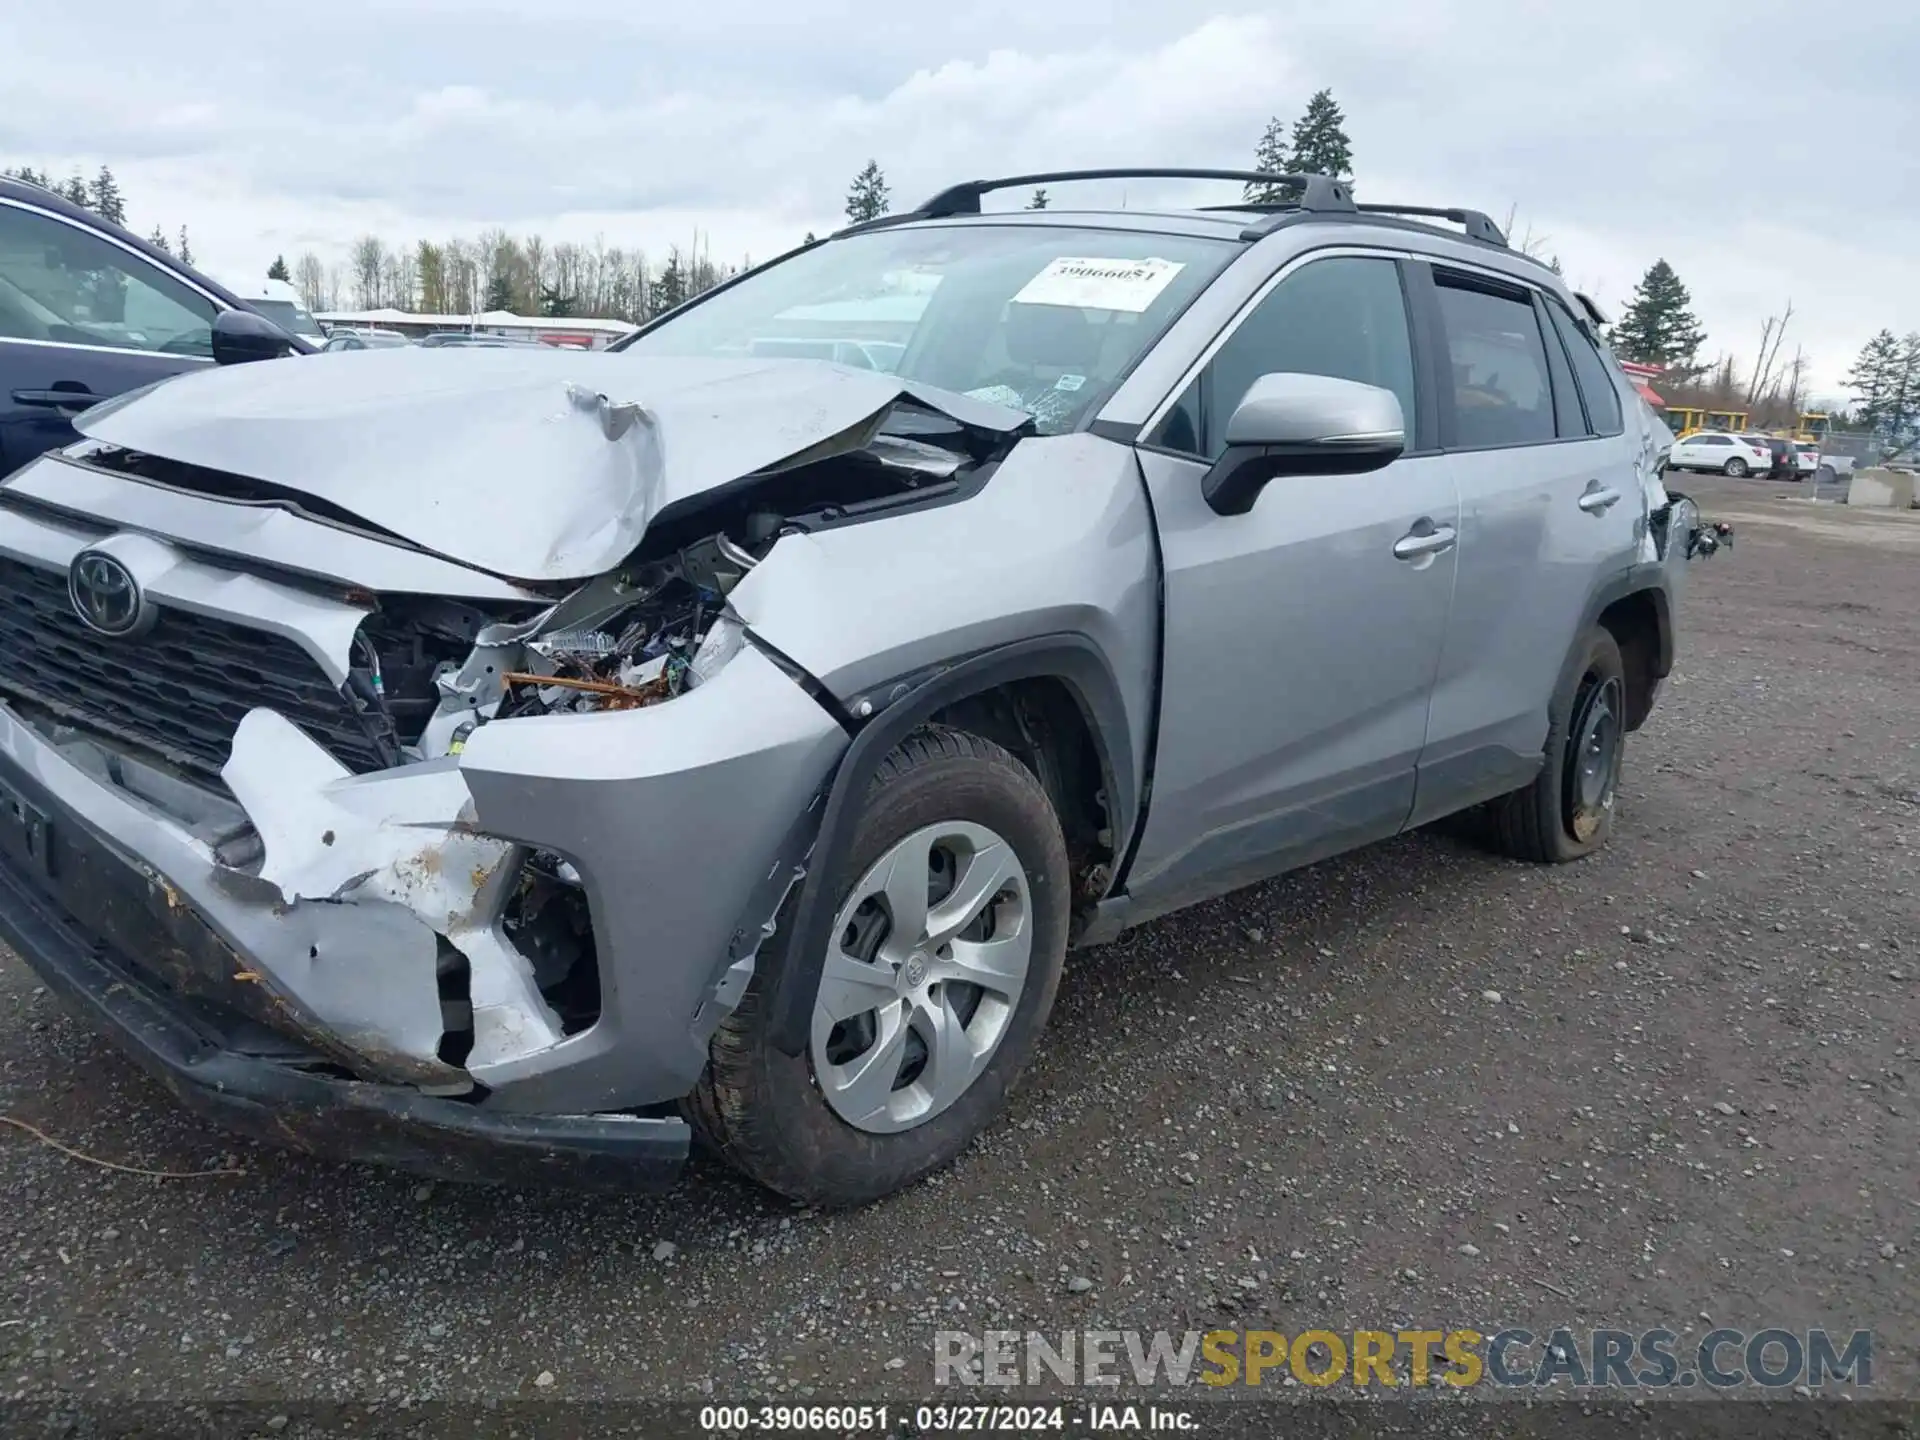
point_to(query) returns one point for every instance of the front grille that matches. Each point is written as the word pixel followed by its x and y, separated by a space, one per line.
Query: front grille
pixel 180 690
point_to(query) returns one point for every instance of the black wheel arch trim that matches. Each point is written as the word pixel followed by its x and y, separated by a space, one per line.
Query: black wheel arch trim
pixel 1649 578
pixel 1072 659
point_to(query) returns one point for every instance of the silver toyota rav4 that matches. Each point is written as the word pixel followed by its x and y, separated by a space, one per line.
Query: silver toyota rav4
pixel 506 763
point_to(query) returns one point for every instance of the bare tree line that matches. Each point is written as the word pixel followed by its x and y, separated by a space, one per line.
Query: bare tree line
pixel 499 271
pixel 1774 391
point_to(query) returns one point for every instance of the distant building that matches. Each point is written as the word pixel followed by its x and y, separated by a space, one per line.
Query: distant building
pixel 565 333
pixel 1643 377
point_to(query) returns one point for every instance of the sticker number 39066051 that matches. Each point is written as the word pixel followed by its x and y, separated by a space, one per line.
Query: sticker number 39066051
pixel 1094 284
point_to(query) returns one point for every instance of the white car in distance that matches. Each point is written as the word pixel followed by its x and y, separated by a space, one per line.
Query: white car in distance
pixel 1714 450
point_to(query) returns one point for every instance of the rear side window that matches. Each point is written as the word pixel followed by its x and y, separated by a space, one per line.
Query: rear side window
pixel 65 285
pixel 1591 369
pixel 1501 393
pixel 1345 316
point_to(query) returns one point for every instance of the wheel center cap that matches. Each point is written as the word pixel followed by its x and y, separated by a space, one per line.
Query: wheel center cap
pixel 914 972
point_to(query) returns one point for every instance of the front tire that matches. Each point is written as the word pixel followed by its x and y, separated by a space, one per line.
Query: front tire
pixel 1568 811
pixel 949 939
pixel 1735 469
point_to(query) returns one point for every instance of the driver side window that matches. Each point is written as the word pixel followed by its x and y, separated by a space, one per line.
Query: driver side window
pixel 1345 316
pixel 64 284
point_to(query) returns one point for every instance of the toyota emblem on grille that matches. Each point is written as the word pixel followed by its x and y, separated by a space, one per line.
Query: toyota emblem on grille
pixel 106 596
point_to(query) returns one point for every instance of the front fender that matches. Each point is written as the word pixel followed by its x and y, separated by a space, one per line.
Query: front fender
pixel 1072 659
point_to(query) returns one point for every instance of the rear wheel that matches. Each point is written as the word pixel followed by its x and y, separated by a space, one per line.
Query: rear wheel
pixel 948 941
pixel 1568 810
pixel 1735 468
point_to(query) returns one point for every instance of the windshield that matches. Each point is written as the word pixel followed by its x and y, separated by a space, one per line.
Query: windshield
pixel 289 317
pixel 1041 318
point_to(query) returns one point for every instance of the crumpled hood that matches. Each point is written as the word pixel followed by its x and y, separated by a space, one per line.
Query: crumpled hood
pixel 539 465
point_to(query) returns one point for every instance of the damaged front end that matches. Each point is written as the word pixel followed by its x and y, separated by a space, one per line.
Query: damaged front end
pixel 517 968
pixel 506 851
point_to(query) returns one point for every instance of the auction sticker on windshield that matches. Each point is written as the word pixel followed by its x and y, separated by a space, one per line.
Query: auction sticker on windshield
pixel 1092 284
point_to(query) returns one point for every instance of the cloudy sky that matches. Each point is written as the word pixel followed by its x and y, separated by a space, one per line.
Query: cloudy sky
pixel 1765 148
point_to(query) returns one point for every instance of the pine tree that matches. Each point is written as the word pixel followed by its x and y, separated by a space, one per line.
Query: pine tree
pixel 669 287
pixel 106 199
pixel 1039 201
pixel 159 241
pixel 1903 403
pixel 868 198
pixel 76 190
pixel 1270 158
pixel 278 270
pixel 1659 327
pixel 186 252
pixel 1874 379
pixel 499 291
pixel 30 175
pixel 1320 143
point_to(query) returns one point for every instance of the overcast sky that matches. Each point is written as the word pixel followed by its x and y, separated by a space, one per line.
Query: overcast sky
pixel 1767 149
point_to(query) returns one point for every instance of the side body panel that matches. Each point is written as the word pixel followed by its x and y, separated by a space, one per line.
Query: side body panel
pixel 45 383
pixel 43 386
pixel 1529 558
pixel 1300 654
pixel 1543 526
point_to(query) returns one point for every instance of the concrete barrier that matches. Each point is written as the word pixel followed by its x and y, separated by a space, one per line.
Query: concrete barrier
pixel 1884 488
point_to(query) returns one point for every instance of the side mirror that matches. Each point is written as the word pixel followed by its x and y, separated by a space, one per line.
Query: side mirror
pixel 242 335
pixel 1291 424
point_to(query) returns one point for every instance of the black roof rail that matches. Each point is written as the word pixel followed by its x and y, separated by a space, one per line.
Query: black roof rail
pixel 1317 192
pixel 1478 226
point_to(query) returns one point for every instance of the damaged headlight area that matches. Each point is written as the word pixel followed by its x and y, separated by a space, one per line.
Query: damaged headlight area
pixel 673 635
pixel 517 969
pixel 426 674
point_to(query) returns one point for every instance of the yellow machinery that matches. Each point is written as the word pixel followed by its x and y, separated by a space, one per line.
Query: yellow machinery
pixel 1812 425
pixel 1685 419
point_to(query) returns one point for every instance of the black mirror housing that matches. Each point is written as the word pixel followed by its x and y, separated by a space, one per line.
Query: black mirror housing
pixel 1237 477
pixel 240 336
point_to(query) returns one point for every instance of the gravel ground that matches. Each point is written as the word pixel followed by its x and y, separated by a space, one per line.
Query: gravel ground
pixel 1668 1085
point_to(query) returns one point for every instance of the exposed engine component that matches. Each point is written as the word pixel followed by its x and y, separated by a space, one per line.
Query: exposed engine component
pixel 639 655
pixel 1709 538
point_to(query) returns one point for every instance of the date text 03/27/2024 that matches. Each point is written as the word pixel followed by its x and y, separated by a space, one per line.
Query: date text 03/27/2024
pixel 942 1419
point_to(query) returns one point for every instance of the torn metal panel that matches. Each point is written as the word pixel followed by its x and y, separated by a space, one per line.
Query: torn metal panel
pixel 681 821
pixel 404 838
pixel 325 970
pixel 543 465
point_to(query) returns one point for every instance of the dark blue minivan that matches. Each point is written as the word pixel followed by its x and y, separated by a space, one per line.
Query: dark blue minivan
pixel 88 311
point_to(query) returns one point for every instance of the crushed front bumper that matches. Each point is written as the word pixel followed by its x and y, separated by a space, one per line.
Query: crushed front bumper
pixel 255 1081
pixel 303 1005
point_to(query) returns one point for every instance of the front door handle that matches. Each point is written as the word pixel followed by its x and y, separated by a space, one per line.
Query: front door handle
pixel 56 399
pixel 1433 540
pixel 1598 501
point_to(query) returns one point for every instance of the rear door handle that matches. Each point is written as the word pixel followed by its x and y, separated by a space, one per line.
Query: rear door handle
pixel 1596 502
pixel 56 399
pixel 1416 543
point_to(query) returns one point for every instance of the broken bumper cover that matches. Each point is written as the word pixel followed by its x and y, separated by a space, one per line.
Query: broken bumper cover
pixel 272 1097
pixel 684 820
